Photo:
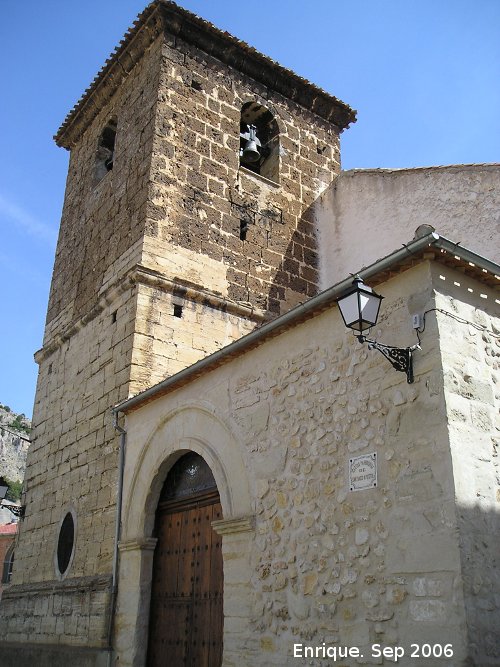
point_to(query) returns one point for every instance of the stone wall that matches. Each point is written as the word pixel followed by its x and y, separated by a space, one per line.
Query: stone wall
pixel 73 458
pixel 103 221
pixel 200 194
pixel 73 613
pixel 369 212
pixel 469 330
pixel 72 466
pixel 307 560
pixel 158 232
pixel 166 342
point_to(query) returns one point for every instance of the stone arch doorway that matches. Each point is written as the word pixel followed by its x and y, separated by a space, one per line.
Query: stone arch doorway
pixel 186 612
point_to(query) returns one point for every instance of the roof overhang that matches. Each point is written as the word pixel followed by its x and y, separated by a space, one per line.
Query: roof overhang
pixel 164 15
pixel 431 246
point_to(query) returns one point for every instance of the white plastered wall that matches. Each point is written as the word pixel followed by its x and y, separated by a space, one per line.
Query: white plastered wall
pixel 367 213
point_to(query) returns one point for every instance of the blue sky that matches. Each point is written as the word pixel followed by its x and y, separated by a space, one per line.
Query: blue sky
pixel 423 76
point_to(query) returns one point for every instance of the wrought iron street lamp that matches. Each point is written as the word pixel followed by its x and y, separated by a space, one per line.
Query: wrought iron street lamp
pixel 359 308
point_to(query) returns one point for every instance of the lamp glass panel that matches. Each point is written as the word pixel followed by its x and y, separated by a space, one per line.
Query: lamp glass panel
pixel 369 307
pixel 3 490
pixel 349 310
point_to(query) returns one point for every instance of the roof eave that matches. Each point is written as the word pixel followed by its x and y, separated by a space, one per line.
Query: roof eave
pixel 165 15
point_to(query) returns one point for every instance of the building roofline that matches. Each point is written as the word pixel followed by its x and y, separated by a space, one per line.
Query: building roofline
pixel 429 246
pixel 167 16
pixel 493 166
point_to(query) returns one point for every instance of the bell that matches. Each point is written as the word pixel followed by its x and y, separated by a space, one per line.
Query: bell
pixel 250 152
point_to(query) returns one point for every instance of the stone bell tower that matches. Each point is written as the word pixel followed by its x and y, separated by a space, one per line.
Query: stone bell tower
pixel 175 240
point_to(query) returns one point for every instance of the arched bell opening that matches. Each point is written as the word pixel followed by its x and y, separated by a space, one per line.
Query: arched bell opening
pixel 105 154
pixel 259 141
pixel 186 609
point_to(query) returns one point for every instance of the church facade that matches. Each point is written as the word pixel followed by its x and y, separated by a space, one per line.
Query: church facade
pixel 195 372
pixel 316 554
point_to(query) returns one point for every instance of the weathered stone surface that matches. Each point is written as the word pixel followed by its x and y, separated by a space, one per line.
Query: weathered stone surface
pixel 152 274
pixel 326 561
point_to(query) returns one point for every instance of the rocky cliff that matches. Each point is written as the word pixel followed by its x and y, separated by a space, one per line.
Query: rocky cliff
pixel 14 442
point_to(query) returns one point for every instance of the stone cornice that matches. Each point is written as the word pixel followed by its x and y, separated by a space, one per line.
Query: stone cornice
pixel 430 247
pixel 143 275
pixel 83 584
pixel 142 544
pixel 163 15
pixel 198 293
pixel 105 299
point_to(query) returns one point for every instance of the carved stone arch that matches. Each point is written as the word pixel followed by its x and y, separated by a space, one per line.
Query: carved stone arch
pixel 150 455
pixel 243 101
pixel 192 427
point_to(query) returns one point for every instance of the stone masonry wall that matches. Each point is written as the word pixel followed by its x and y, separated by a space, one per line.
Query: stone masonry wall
pixel 200 194
pixel 74 614
pixel 160 229
pixel 346 568
pixel 198 197
pixel 72 466
pixel 165 343
pixel 325 564
pixel 102 221
pixel 471 381
pixel 84 369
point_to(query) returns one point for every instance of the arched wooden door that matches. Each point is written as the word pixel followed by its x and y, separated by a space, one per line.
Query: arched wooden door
pixel 186 615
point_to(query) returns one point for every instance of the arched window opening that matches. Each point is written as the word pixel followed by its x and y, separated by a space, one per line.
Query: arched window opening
pixel 259 141
pixel 8 564
pixel 105 151
pixel 65 543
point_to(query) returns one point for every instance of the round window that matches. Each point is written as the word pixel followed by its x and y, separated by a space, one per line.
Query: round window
pixel 65 543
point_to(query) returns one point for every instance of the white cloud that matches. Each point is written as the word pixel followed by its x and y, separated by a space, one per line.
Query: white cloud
pixel 25 221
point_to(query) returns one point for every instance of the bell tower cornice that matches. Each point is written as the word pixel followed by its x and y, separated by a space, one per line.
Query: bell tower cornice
pixel 163 15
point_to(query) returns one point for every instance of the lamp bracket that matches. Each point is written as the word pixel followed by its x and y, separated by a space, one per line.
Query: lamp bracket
pixel 400 357
pixel 16 510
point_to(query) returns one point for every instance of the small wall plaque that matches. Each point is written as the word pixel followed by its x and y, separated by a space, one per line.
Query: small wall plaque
pixel 363 472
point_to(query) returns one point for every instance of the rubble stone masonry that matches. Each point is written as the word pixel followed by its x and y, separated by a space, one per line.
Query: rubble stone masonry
pixel 307 560
pixel 470 335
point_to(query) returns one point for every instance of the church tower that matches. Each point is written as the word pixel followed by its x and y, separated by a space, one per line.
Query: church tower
pixel 188 220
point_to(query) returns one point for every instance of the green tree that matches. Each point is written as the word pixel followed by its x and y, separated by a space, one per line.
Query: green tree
pixel 19 423
pixel 14 491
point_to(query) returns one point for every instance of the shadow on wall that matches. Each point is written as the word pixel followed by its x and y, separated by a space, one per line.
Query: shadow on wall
pixel 479 531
